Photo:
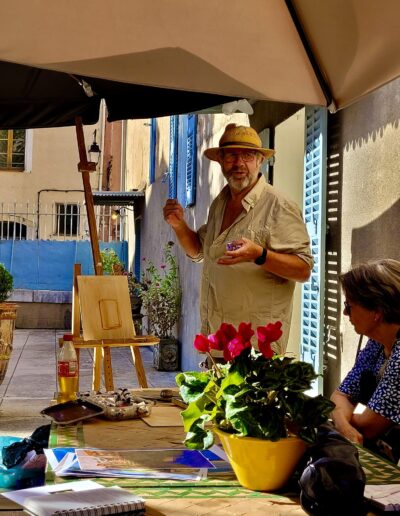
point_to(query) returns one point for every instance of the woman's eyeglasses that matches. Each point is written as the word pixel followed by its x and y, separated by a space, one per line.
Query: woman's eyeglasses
pixel 230 157
pixel 347 308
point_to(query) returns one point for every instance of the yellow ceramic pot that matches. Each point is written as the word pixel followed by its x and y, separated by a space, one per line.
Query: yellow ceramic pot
pixel 259 464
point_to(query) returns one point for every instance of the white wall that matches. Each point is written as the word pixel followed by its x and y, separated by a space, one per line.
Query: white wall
pixel 368 154
pixel 288 178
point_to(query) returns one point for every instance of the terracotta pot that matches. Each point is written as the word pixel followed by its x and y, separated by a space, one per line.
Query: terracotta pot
pixel 166 354
pixel 260 464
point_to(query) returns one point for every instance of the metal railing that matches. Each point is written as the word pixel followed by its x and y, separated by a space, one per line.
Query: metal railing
pixel 60 221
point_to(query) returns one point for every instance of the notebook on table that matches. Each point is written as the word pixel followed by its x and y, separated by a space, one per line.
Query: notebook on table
pixel 84 498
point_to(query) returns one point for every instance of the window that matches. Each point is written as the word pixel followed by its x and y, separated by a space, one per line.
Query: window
pixel 67 219
pixel 12 149
pixel 12 230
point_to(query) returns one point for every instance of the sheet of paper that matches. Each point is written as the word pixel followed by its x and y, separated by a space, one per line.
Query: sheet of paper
pixel 156 459
pixel 385 493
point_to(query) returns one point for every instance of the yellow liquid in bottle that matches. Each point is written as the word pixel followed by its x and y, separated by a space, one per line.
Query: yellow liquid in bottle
pixel 67 385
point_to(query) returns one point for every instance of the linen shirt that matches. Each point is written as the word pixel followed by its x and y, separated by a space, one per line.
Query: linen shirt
pixel 245 291
pixel 386 398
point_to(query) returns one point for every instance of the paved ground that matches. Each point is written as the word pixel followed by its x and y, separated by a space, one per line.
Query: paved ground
pixel 30 382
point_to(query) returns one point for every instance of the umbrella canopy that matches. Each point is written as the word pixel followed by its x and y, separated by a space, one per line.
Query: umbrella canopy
pixel 328 53
pixel 34 98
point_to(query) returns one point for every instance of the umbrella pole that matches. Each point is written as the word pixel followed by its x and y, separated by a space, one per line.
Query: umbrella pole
pixel 85 167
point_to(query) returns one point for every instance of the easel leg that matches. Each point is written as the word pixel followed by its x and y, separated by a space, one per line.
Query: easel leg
pixel 78 356
pixel 138 363
pixel 97 363
pixel 108 372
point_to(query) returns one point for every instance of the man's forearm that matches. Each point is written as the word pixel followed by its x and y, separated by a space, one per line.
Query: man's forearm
pixel 188 239
pixel 287 266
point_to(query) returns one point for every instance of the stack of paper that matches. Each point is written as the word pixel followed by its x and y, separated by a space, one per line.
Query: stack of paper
pixel 178 464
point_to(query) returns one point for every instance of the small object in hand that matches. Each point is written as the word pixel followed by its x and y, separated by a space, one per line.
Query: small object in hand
pixel 233 246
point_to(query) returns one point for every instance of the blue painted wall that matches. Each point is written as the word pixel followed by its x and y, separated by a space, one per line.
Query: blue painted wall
pixel 48 265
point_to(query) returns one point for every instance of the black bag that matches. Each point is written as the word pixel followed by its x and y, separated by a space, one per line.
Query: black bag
pixel 15 453
pixel 333 481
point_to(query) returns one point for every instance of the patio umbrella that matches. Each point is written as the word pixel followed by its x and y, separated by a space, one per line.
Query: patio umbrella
pixel 328 53
pixel 59 59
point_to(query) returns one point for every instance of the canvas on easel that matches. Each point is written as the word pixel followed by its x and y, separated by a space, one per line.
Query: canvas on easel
pixel 105 307
pixel 101 305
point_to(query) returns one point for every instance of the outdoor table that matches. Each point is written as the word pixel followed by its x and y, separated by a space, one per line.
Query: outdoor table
pixel 219 495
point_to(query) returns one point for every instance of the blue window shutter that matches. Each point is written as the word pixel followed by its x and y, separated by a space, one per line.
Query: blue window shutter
pixel 173 157
pixel 191 160
pixel 153 148
pixel 314 215
pixel 186 160
pixel 181 169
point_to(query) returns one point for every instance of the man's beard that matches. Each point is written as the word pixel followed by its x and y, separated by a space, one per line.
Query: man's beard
pixel 237 184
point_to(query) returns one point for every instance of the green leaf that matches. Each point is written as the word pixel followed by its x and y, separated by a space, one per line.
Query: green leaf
pixel 193 413
pixel 199 439
pixel 232 379
pixel 192 385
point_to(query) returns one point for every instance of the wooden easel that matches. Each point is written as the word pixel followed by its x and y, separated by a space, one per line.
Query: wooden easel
pixel 102 305
pixel 96 335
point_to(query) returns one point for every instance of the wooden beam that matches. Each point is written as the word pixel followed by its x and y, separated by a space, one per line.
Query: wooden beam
pixel 85 167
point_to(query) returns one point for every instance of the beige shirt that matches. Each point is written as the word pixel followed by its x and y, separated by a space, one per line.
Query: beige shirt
pixel 245 291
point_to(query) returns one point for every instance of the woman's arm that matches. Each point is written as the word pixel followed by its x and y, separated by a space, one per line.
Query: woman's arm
pixel 342 416
pixel 370 424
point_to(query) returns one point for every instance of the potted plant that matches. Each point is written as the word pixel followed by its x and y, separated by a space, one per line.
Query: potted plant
pixel 8 315
pixel 161 295
pixel 135 288
pixel 256 402
pixel 113 265
pixel 111 262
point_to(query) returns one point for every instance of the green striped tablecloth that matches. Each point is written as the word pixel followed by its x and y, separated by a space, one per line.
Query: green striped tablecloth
pixel 378 471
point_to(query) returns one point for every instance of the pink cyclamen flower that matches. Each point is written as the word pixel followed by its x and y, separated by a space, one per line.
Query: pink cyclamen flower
pixel 217 340
pixel 235 348
pixel 267 334
pixel 201 343
pixel 228 331
pixel 245 331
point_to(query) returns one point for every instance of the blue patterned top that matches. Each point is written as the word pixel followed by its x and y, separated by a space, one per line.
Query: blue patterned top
pixel 385 400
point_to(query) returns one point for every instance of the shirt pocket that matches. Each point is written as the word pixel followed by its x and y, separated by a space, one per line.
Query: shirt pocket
pixel 255 234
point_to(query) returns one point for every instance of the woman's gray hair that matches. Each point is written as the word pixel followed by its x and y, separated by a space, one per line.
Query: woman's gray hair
pixel 375 285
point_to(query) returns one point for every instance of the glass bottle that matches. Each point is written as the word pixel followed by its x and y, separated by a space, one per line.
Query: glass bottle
pixel 67 371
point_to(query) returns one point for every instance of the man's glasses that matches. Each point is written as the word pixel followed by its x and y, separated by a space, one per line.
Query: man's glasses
pixel 230 157
pixel 347 308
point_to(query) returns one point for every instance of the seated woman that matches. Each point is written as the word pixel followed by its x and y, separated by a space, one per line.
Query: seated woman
pixel 372 293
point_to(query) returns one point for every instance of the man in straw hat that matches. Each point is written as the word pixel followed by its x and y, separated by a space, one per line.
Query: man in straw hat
pixel 254 245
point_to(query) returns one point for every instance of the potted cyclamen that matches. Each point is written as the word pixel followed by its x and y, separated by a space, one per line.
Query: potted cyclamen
pixel 161 295
pixel 256 403
pixel 8 315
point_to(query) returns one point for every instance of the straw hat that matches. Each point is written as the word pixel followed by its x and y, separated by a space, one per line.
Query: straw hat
pixel 238 137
